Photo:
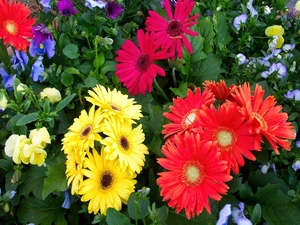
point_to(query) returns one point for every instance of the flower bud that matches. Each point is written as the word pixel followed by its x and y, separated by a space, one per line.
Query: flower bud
pixel 22 88
pixel 52 94
pixel 3 102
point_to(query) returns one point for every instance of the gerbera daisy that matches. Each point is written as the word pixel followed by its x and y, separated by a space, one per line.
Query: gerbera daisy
pixel 66 7
pixel 136 68
pixel 219 89
pixel 15 24
pixel 267 118
pixel 125 144
pixel 74 165
pixel 84 131
pixel 106 185
pixel 194 174
pixel 171 33
pixel 185 112
pixel 114 103
pixel 229 132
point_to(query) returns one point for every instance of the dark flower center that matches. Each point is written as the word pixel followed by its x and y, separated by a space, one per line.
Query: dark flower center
pixel 124 143
pixel 174 28
pixel 66 12
pixel 143 63
pixel 106 180
pixel 85 131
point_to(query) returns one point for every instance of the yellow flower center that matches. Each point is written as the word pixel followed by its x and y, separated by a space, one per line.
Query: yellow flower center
pixel 192 173
pixel 41 46
pixel 189 118
pixel 11 27
pixel 259 118
pixel 106 180
pixel 226 138
pixel 86 131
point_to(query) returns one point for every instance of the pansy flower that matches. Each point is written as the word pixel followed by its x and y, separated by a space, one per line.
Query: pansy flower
pixel 42 48
pixel 66 7
pixel 41 33
pixel 239 20
pixel 46 5
pixel 7 81
pixel 113 10
pixel 276 33
pixel 19 60
pixel 37 70
pixel 95 3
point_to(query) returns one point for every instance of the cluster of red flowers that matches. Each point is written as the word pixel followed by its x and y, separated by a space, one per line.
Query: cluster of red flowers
pixel 205 142
pixel 162 40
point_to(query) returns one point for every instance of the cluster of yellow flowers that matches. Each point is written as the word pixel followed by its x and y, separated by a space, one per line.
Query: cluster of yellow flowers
pixel 28 150
pixel 104 150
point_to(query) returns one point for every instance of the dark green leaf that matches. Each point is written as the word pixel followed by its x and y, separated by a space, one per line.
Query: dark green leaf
pixel 108 66
pixel 181 91
pixel 71 51
pixel 85 68
pixel 207 32
pixel 28 119
pixel 180 219
pixel 63 103
pixel 63 40
pixel 6 164
pixel 256 213
pixel 137 206
pixel 67 79
pixel 90 82
pixel 113 217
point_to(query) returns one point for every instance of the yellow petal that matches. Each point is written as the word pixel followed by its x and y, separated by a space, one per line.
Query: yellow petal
pixel 274 30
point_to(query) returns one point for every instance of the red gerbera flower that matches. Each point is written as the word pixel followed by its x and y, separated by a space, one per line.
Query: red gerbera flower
pixel 136 68
pixel 15 24
pixel 267 118
pixel 229 131
pixel 195 174
pixel 185 112
pixel 171 33
pixel 219 89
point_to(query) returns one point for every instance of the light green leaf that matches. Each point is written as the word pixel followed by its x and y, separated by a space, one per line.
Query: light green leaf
pixel 181 91
pixel 28 119
pixel 137 206
pixel 67 79
pixel 63 40
pixel 63 103
pixel 71 51
pixel 108 66
pixel 99 60
pixel 90 82
pixel 221 28
pixel 56 178
pixel 72 70
pixel 85 68
pixel 207 32
pixel 113 217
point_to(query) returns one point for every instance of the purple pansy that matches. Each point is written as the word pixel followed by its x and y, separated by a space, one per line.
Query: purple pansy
pixel 41 33
pixel 37 69
pixel 47 47
pixel 7 81
pixel 66 7
pixel 252 10
pixel 279 68
pixel 293 94
pixel 95 3
pixel 239 20
pixel 46 5
pixel 238 216
pixel 19 60
pixel 113 10
pixel 224 214
pixel 296 165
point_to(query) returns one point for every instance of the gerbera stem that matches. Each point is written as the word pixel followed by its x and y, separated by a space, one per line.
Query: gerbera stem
pixel 174 77
pixel 4 57
pixel 160 91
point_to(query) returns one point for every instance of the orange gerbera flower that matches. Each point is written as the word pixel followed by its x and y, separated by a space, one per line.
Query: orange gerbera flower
pixel 267 118
pixel 219 89
pixel 185 112
pixel 195 174
pixel 15 24
pixel 229 131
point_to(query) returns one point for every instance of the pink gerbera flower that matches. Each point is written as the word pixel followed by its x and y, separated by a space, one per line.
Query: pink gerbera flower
pixel 170 33
pixel 136 68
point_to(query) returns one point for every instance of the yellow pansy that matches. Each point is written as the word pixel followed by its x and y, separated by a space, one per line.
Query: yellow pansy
pixel 276 33
pixel 40 136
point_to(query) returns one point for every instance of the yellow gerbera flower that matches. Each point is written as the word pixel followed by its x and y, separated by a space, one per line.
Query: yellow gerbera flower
pixel 125 144
pixel 297 5
pixel 277 31
pixel 114 103
pixel 84 131
pixel 74 165
pixel 106 185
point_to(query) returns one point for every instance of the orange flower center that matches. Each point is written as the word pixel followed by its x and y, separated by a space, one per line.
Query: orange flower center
pixel 260 120
pixel 192 173
pixel 106 180
pixel 11 27
pixel 86 131
pixel 226 138
pixel 174 29
pixel 189 118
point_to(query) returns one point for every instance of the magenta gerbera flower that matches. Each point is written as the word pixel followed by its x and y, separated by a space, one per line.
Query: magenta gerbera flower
pixel 171 33
pixel 66 7
pixel 136 68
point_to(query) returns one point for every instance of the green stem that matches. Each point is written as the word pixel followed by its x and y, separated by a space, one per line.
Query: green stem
pixel 4 57
pixel 160 91
pixel 174 77
pixel 135 213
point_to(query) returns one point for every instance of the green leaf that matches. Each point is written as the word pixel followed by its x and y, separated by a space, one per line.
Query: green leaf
pixel 71 51
pixel 256 213
pixel 137 206
pixel 7 165
pixel 221 28
pixel 67 79
pixel 56 178
pixel 108 66
pixel 90 82
pixel 28 119
pixel 181 91
pixel 63 40
pixel 72 70
pixel 246 192
pixel 46 212
pixel 85 68
pixel 207 32
pixel 113 217
pixel 180 219
pixel 63 103
pixel 99 60
pixel 33 181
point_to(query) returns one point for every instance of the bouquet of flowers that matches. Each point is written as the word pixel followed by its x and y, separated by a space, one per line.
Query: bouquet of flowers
pixel 149 112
